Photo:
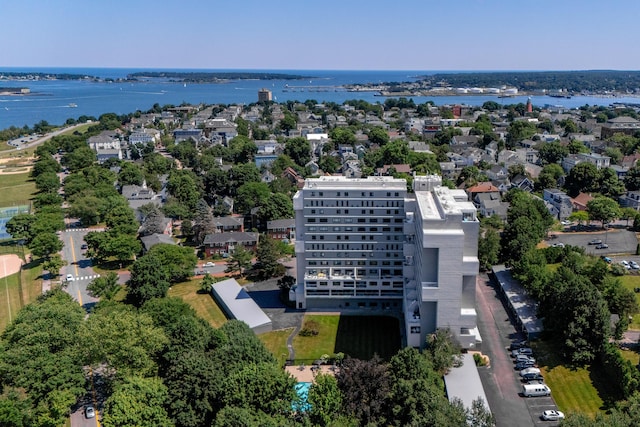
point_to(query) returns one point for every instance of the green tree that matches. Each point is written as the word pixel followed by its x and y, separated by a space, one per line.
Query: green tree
pixel 489 249
pixel 130 174
pixel 552 152
pixel 139 402
pixel 610 184
pixel 45 244
pixel 519 130
pixel 325 400
pixel 123 341
pixel 267 258
pixel 39 355
pixel 378 136
pixel 48 182
pixel 576 146
pixel 583 177
pixel 603 209
pixel 239 261
pixel 105 287
pixel 184 186
pixel 242 149
pixel 632 179
pixel 54 264
pixel 178 261
pixel 19 226
pixel 443 350
pixel 149 279
pixel 251 195
pixel 342 136
pixel 299 150
pixel 79 158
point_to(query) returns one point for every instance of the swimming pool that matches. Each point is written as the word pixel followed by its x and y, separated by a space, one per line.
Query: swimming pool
pixel 302 405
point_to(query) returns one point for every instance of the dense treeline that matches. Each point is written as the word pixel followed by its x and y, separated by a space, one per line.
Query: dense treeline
pixel 203 77
pixel 161 365
pixel 573 81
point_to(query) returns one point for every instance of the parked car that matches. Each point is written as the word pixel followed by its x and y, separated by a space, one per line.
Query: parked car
pixel 552 415
pixel 607 259
pixel 634 265
pixel 566 222
pixel 625 264
pixel 69 278
pixel 524 358
pixel 84 246
pixel 522 350
pixel 532 377
pixel 89 412
pixel 529 371
pixel 595 242
pixel 209 264
pixel 523 365
pixel 558 245
pixel 518 344
pixel 602 246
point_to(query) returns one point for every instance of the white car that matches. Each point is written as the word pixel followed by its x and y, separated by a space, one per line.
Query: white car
pixel 566 222
pixel 625 264
pixel 70 277
pixel 552 415
pixel 634 265
pixel 209 264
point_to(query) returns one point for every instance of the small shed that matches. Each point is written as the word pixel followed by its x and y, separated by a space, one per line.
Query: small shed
pixel 238 304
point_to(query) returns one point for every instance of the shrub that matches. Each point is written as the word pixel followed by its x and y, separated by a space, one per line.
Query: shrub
pixel 309 329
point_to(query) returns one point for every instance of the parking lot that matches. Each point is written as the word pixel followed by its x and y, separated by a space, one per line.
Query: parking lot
pixel 620 241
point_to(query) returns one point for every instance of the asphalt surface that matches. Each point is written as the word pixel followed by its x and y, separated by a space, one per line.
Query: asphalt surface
pixel 78 266
pixel 619 239
pixel 501 381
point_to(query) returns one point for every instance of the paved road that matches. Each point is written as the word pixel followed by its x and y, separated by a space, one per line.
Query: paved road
pixel 78 266
pixel 501 381
pixel 32 142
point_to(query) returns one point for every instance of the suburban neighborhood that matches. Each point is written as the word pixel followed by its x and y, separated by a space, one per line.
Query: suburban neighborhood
pixel 307 263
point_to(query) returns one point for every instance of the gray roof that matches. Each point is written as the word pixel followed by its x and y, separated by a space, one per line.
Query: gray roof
pixel 235 237
pixel 238 304
pixel 228 221
pixel 524 306
pixel 281 223
pixel 153 239
pixel 464 383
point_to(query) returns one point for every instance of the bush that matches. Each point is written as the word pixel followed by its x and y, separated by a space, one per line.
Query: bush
pixel 309 329
pixel 480 361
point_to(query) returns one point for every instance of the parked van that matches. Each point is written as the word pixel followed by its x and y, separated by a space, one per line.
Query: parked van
pixel 531 390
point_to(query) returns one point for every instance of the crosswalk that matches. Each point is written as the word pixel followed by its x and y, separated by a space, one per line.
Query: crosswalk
pixel 89 277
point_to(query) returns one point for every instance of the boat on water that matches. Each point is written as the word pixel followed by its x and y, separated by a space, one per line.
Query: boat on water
pixel 72 105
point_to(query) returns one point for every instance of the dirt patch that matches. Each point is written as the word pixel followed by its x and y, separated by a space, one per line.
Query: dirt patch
pixel 9 264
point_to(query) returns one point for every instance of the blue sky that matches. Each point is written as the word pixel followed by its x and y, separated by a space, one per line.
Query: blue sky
pixel 322 34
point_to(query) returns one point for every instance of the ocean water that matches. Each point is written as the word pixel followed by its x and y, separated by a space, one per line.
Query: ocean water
pixel 56 101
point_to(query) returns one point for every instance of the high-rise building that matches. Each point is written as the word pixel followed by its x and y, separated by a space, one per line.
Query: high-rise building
pixel 369 245
pixel 264 95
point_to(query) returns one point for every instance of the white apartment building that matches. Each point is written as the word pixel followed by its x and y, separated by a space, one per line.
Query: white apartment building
pixel 367 243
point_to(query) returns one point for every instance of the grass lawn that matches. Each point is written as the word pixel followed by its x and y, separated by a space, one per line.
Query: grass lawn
pixel 631 355
pixel 16 188
pixel 10 299
pixel 355 336
pixel 276 343
pixel 31 281
pixel 581 389
pixel 631 281
pixel 203 304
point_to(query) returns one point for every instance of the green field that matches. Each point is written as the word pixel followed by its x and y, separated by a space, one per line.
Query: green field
pixel 10 297
pixel 276 343
pixel 575 389
pixel 356 336
pixel 16 188
pixel 202 303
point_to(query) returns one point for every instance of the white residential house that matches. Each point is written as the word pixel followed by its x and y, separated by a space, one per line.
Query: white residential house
pixel 369 245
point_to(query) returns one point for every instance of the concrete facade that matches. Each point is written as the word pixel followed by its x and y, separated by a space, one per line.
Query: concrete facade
pixel 368 243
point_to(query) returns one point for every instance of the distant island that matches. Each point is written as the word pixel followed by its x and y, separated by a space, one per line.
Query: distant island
pixel 571 81
pixel 213 77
